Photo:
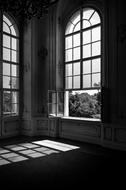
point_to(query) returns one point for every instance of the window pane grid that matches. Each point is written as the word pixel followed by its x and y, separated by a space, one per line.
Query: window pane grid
pixel 86 48
pixel 10 49
pixel 73 48
pixel 73 33
pixel 10 68
pixel 10 62
pixel 91 42
pixel 90 27
pixel 6 28
pixel 82 30
pixel 11 35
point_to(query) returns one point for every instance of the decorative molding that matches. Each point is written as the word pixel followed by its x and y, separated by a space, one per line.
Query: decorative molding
pixel 108 133
pixel 11 126
pixel 60 66
pixel 122 33
pixel 27 67
pixel 27 8
pixel 42 125
pixel 42 52
pixel 82 2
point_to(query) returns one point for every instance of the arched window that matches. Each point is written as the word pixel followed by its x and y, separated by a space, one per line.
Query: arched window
pixel 83 64
pixel 10 66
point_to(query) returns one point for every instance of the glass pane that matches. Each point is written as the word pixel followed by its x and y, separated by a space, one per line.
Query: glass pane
pixel 7 20
pixel 14 70
pixel 6 54
pixel 96 80
pixel 87 67
pixel 14 82
pixel 6 82
pixel 75 18
pixel 60 105
pixel 76 82
pixel 6 102
pixel 86 81
pixel 17 44
pixel 69 28
pixel 15 108
pixel 13 32
pixel 87 37
pixel 76 40
pixel 68 82
pixel 69 70
pixel 96 65
pixel 96 48
pixel 52 97
pixel 76 68
pixel 6 69
pixel 68 43
pixel 60 97
pixel 52 109
pixel 77 27
pixel 6 41
pixel 76 53
pixel 14 56
pixel 95 19
pixel 6 28
pixel 87 104
pixel 86 24
pixel 60 110
pixel 96 34
pixel 14 43
pixel 69 55
pixel 87 51
pixel 87 13
pixel 15 97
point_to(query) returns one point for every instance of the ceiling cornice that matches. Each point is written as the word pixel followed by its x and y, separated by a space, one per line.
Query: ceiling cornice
pixel 27 8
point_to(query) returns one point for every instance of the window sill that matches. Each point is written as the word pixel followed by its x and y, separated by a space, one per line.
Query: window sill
pixel 76 118
pixel 82 119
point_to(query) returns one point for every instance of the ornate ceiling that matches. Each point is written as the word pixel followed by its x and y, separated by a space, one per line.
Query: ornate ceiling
pixel 26 8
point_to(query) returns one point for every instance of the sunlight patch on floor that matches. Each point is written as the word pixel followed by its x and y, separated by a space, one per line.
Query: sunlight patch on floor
pixel 56 145
pixel 25 151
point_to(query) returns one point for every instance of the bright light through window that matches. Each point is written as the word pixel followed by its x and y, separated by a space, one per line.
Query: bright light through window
pixel 32 150
pixel 10 67
pixel 83 65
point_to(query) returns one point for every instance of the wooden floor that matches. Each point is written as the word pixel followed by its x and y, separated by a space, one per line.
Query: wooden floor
pixel 59 163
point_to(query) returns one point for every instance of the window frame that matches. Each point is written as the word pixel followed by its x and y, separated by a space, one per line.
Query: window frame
pixel 81 49
pixel 81 56
pixel 14 111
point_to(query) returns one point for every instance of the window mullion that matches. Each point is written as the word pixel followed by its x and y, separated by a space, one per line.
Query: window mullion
pixel 1 65
pixel 81 50
pixel 11 72
pixel 72 62
pixel 91 57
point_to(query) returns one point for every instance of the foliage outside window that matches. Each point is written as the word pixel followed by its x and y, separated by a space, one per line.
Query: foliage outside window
pixel 85 104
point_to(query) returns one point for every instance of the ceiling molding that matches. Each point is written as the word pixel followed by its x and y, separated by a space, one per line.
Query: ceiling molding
pixel 27 8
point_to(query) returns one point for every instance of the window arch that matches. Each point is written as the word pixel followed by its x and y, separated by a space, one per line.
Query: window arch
pixel 10 66
pixel 83 57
